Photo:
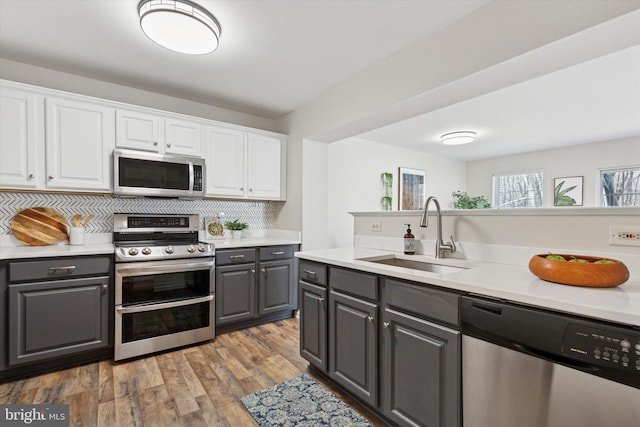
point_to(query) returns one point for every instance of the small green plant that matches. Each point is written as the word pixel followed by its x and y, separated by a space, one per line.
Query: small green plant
pixel 236 225
pixel 464 201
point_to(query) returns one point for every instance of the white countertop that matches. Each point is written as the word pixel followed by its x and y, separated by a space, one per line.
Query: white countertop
pixel 509 282
pixel 101 243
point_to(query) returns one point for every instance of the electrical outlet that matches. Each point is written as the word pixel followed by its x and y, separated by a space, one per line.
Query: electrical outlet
pixel 376 226
pixel 623 235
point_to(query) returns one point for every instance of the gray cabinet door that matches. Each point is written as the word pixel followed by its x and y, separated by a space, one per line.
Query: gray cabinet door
pixel 276 286
pixel 57 318
pixel 235 293
pixel 353 344
pixel 420 371
pixel 313 324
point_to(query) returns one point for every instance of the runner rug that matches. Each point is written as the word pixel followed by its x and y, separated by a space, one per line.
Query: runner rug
pixel 301 401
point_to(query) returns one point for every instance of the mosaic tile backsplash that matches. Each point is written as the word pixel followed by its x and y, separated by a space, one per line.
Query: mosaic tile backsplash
pixel 258 214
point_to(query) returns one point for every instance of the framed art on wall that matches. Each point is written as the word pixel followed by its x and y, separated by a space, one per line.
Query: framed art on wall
pixel 213 228
pixel 567 191
pixel 412 189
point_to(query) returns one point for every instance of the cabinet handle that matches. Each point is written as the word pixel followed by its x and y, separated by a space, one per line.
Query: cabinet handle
pixel 253 271
pixel 370 319
pixel 309 272
pixel 241 188
pixel 251 189
pixel 169 145
pixel 236 256
pixel 65 268
pixel 277 253
pixel 50 177
pixel 155 142
pixel 264 270
pixel 105 286
pixel 386 324
pixel 31 176
pixel 320 300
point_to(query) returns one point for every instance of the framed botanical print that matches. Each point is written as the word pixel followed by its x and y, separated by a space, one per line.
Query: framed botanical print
pixel 567 191
pixel 412 189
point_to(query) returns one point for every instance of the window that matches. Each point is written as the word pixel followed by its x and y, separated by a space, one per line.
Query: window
pixel 518 190
pixel 620 187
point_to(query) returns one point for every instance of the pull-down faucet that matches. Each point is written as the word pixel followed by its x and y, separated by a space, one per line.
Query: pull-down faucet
pixel 441 246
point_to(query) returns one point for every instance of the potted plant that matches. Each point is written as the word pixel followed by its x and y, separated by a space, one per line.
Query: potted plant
pixel 464 201
pixel 236 227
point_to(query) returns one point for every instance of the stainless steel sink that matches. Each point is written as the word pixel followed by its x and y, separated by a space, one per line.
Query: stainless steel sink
pixel 417 265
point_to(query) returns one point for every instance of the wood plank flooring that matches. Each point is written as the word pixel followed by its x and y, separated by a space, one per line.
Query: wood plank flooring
pixel 194 386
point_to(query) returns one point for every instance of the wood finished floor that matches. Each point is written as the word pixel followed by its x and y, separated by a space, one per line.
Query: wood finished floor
pixel 195 386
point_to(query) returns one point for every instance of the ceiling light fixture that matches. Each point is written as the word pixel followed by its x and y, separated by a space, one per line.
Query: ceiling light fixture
pixel 458 138
pixel 179 25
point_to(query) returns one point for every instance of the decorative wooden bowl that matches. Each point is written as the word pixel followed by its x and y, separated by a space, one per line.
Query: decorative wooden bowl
pixel 579 274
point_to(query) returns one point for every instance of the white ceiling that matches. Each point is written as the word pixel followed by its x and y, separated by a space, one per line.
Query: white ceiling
pixel 276 56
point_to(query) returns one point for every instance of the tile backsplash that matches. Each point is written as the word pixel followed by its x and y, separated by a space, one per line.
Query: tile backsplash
pixel 258 214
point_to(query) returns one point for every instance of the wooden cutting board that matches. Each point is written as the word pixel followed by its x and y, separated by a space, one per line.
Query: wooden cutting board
pixel 39 226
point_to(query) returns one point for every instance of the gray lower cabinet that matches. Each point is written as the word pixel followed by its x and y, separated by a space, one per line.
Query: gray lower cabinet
pixel 254 285
pixel 52 319
pixel 353 345
pixel 56 312
pixel 393 344
pixel 420 371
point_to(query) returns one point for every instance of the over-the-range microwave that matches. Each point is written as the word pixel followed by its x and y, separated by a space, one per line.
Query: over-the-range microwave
pixel 143 174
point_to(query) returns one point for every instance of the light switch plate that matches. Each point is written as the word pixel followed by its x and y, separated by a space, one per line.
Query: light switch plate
pixel 376 226
pixel 623 235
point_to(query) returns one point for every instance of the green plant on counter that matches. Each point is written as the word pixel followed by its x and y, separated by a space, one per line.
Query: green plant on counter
pixel 236 225
pixel 464 201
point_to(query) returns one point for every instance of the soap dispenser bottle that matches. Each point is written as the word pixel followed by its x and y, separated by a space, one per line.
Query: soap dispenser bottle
pixel 409 242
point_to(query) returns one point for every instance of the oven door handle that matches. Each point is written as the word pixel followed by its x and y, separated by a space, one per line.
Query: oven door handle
pixel 172 304
pixel 152 267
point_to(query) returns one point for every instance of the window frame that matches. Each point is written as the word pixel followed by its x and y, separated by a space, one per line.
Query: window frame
pixel 600 197
pixel 494 180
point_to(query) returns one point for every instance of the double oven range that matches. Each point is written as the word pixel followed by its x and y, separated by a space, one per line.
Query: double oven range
pixel 165 284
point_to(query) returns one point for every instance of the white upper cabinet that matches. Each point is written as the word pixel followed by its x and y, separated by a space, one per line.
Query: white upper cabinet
pixel 264 166
pixel 143 131
pixel 80 138
pixel 21 138
pixel 224 154
pixel 242 164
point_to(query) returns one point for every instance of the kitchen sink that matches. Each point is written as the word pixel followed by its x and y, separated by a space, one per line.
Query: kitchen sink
pixel 432 267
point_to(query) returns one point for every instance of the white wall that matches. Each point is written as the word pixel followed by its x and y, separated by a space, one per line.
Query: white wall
pixel 582 160
pixel 314 200
pixel 354 184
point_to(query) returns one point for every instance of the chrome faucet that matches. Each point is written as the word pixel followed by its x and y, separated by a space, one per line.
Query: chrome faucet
pixel 441 246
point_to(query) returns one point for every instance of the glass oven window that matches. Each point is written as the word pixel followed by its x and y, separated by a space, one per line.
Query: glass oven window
pixel 155 323
pixel 153 174
pixel 165 287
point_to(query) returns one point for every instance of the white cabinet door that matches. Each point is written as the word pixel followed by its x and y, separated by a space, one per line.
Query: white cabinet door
pixel 137 130
pixel 264 166
pixel 80 139
pixel 183 137
pixel 224 153
pixel 21 139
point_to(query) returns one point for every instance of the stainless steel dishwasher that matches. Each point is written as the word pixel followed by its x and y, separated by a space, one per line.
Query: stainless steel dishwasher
pixel 528 367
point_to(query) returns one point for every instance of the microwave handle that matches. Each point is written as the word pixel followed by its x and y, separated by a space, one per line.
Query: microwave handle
pixel 172 304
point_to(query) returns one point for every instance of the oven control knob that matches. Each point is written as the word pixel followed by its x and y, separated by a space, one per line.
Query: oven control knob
pixel 191 249
pixel 133 252
pixel 202 248
pixel 146 251
pixel 169 249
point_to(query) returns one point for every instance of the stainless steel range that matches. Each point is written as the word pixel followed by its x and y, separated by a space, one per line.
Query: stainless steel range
pixel 165 284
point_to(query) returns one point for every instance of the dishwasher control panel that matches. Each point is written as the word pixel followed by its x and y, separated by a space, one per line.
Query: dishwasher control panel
pixel 611 347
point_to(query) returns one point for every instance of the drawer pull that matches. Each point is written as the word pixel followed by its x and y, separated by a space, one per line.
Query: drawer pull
pixel 386 324
pixel 370 319
pixel 236 256
pixel 309 272
pixel 277 253
pixel 320 300
pixel 66 268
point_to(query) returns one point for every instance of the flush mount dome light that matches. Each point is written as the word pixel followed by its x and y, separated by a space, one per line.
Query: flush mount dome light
pixel 179 25
pixel 458 138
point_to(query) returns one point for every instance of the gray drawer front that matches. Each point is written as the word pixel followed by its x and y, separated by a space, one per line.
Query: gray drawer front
pixel 22 271
pixel 235 256
pixel 312 272
pixel 353 282
pixel 422 301
pixel 277 252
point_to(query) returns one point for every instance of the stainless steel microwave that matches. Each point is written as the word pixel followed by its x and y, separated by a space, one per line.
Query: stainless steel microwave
pixel 143 174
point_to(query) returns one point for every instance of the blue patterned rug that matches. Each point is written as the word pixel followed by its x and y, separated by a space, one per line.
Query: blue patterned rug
pixel 301 401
